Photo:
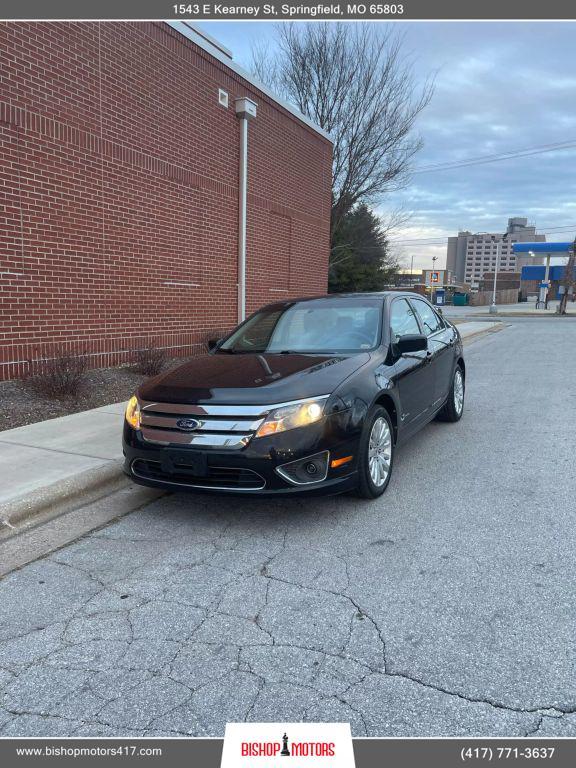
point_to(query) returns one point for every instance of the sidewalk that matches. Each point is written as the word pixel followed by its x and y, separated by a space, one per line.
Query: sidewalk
pixel 508 310
pixel 51 461
pixel 71 458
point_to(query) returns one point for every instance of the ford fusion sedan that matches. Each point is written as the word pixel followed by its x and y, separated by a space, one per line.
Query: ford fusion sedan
pixel 306 396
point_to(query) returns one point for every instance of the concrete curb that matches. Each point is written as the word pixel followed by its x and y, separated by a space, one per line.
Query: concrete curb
pixel 523 314
pixel 483 332
pixel 89 484
pixel 56 499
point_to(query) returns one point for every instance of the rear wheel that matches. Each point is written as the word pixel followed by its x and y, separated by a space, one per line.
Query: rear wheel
pixel 454 406
pixel 376 454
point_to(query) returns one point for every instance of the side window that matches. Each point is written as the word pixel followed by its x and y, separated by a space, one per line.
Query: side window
pixel 429 319
pixel 402 319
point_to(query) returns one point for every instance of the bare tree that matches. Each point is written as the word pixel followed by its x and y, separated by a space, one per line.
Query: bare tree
pixel 354 82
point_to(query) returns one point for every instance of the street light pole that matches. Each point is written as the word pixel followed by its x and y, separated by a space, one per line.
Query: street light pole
pixel 434 260
pixel 493 310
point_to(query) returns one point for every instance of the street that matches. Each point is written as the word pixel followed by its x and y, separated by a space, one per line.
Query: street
pixel 447 607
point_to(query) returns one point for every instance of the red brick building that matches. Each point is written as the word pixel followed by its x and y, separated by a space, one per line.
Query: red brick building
pixel 119 189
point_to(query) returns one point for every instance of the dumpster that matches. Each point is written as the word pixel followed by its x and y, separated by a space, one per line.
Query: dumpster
pixel 460 299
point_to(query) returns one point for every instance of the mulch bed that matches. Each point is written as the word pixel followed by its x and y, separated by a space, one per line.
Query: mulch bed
pixel 20 404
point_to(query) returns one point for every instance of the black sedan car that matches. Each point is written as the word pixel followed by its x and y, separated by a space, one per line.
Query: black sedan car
pixel 306 396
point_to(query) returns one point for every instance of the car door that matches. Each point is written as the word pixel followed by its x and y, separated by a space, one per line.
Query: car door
pixel 412 374
pixel 441 340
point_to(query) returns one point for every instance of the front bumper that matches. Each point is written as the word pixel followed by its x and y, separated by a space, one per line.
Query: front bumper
pixel 250 471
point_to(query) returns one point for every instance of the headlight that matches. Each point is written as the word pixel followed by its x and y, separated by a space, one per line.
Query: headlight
pixel 298 414
pixel 133 412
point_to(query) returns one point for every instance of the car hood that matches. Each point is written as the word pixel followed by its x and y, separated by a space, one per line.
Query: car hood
pixel 250 379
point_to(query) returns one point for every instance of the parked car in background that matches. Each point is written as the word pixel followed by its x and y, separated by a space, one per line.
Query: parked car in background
pixel 306 396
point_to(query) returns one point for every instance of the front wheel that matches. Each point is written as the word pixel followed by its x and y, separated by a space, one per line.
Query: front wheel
pixel 376 455
pixel 454 406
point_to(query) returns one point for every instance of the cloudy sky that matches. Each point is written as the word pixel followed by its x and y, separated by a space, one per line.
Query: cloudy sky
pixel 500 87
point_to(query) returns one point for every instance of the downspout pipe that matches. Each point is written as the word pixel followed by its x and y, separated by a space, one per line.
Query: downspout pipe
pixel 245 111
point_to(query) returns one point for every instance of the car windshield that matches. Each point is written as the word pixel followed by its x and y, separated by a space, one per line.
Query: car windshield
pixel 322 326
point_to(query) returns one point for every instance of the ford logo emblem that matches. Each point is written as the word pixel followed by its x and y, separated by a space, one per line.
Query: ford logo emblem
pixel 187 425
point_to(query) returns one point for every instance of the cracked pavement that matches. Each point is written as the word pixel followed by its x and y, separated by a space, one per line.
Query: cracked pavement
pixel 445 608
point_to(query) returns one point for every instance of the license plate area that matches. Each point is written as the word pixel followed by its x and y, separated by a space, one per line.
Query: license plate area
pixel 191 463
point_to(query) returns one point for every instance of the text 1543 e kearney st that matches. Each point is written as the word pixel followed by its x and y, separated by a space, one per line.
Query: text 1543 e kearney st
pixel 254 11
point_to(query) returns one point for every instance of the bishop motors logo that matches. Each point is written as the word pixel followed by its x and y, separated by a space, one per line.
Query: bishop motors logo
pixel 296 749
pixel 287 745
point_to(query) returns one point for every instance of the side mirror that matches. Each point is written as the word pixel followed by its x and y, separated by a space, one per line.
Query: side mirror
pixel 213 344
pixel 412 342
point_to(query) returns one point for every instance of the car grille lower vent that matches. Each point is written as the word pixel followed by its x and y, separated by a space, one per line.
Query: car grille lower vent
pixel 217 477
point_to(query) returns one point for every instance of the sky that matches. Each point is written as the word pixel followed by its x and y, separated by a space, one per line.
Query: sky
pixel 499 87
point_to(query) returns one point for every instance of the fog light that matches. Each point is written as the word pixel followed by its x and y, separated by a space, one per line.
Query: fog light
pixel 311 469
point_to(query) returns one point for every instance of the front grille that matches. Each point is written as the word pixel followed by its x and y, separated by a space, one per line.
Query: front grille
pixel 219 426
pixel 217 477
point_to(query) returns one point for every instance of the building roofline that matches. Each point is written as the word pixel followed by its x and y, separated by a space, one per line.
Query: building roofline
pixel 224 56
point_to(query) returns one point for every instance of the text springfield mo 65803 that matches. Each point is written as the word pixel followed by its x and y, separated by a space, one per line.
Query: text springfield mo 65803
pixel 286 10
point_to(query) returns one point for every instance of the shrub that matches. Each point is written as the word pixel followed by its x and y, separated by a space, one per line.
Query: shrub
pixel 150 361
pixel 60 377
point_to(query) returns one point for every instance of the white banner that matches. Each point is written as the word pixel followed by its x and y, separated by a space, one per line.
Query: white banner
pixel 288 745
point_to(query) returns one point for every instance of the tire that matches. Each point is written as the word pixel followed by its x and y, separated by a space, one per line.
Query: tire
pixel 377 431
pixel 453 408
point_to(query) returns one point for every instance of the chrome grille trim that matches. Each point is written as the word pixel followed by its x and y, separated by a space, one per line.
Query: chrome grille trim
pixel 193 409
pixel 205 425
pixel 190 409
pixel 227 427
pixel 228 441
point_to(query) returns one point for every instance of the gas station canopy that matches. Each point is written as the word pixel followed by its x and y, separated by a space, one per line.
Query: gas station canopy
pixel 543 249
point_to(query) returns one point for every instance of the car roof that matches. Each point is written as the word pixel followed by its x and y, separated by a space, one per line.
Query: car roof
pixel 382 295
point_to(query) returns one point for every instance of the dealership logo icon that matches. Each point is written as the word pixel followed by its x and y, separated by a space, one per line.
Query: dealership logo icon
pixel 187 425
pixel 285 750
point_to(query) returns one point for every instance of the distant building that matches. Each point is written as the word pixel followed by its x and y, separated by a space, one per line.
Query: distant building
pixel 470 255
pixel 407 279
pixel 438 277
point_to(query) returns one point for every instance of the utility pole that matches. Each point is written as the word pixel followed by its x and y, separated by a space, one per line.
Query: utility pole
pixel 568 281
pixel 499 243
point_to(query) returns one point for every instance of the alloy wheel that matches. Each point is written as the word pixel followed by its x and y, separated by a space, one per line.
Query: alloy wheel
pixel 379 452
pixel 458 391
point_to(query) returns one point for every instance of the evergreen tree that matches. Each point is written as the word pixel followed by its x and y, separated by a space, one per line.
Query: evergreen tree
pixel 360 258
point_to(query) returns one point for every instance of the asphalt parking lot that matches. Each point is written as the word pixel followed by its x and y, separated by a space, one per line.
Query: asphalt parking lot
pixel 447 607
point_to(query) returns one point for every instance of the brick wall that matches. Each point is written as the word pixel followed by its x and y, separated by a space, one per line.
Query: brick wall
pixel 119 194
